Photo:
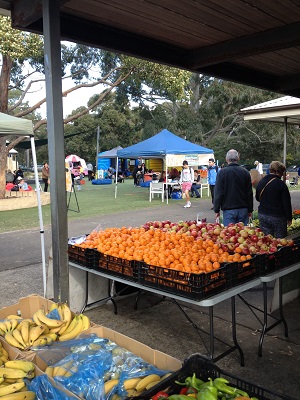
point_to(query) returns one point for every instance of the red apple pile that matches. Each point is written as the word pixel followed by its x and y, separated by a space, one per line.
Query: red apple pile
pixel 232 238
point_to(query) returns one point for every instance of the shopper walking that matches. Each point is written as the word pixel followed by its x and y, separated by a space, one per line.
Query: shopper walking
pixel 211 178
pixel 186 181
pixel 233 191
pixel 46 176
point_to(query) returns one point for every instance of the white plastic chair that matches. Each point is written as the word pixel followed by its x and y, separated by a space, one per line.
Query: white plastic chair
pixel 204 185
pixel 157 188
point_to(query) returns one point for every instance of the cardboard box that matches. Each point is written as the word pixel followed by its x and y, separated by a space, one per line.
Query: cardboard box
pixel 155 357
pixel 26 306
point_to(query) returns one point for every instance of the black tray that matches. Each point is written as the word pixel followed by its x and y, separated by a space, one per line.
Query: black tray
pixel 204 369
pixel 119 267
pixel 86 257
pixel 284 257
pixel 185 284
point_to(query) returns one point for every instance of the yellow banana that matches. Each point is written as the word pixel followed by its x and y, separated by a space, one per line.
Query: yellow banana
pixel 1 380
pixel 25 331
pixel 59 371
pixel 49 371
pixel 109 385
pixel 9 381
pixel 15 387
pixel 26 366
pixel 17 335
pixel 5 353
pixel 151 384
pixel 26 395
pixel 54 330
pixel 60 311
pixel 2 333
pixel 66 316
pixel 35 333
pixel 8 325
pixel 36 319
pixel 72 325
pixel 11 373
pixel 146 381
pixel 4 359
pixel 74 333
pixel 14 316
pixel 51 337
pixel 51 323
pixel 39 342
pixel 53 306
pixel 3 327
pixel 86 324
pixel 14 323
pixel 12 341
pixel 131 383
pixel 133 393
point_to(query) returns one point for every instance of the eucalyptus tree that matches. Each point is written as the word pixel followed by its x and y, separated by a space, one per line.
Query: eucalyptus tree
pixel 22 66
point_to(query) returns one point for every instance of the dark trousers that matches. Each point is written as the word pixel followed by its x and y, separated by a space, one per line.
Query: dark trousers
pixel 46 184
pixel 212 192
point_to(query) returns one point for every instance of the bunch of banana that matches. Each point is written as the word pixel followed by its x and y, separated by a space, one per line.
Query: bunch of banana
pixel 3 355
pixel 67 369
pixel 136 386
pixel 12 385
pixel 8 325
pixel 79 324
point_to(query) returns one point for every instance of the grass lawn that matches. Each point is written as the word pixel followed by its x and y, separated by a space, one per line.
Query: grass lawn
pixel 92 199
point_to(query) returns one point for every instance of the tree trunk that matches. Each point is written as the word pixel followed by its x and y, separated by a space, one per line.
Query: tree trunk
pixel 4 84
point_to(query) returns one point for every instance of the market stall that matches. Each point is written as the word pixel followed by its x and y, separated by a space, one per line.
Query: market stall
pixel 169 147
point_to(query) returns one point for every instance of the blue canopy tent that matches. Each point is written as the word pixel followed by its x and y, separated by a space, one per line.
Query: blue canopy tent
pixel 162 145
pixel 104 158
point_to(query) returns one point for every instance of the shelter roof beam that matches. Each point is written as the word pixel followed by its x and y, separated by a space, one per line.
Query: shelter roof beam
pixel 263 42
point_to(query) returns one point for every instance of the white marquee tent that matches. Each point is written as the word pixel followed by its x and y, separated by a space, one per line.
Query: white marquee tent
pixel 10 125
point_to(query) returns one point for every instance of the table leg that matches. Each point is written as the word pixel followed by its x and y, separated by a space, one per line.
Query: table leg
pixel 265 327
pixel 286 332
pixel 234 332
pixel 109 297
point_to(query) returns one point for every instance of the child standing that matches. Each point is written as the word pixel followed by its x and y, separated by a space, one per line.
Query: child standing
pixel 186 181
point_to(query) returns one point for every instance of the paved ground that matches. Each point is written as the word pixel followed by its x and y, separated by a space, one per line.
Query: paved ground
pixel 160 324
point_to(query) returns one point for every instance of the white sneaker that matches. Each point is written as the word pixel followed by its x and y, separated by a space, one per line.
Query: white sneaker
pixel 188 205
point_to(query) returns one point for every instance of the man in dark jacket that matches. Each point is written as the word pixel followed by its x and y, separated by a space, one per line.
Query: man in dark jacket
pixel 233 192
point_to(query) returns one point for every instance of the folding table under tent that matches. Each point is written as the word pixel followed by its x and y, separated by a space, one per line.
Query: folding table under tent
pixel 165 145
pixel 13 126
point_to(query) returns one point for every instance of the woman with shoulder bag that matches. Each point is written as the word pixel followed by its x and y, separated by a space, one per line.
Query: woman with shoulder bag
pixel 275 208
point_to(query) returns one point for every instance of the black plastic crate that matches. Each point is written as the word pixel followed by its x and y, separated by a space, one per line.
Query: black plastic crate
pixel 244 271
pixel 284 257
pixel 86 257
pixel 204 369
pixel 185 284
pixel 116 266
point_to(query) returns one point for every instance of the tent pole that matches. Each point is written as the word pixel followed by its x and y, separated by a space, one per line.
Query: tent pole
pixel 117 170
pixel 38 195
pixel 284 140
pixel 167 191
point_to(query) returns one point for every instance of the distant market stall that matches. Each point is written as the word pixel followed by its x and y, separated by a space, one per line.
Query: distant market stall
pixel 169 147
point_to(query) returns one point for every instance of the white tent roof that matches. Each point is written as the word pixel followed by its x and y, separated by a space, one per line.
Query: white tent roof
pixel 275 111
pixel 15 126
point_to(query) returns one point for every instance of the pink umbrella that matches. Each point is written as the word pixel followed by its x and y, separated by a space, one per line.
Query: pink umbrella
pixel 73 158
